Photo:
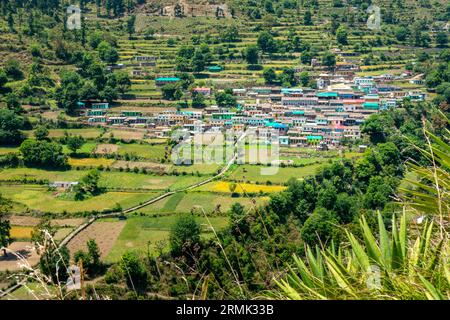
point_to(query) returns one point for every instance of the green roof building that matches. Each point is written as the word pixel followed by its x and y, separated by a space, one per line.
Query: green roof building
pixel 371 105
pixel 215 69
pixel 314 138
pixel 327 95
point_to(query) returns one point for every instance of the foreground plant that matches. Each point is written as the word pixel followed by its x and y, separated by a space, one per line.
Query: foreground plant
pixel 431 194
pixel 394 267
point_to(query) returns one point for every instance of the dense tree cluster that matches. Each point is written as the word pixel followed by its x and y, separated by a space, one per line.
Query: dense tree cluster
pixel 91 82
pixel 438 77
pixel 43 154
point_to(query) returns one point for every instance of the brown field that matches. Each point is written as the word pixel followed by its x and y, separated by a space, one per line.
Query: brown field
pixel 126 135
pixel 106 148
pixel 104 233
pixel 23 249
pixel 26 221
pixel 51 115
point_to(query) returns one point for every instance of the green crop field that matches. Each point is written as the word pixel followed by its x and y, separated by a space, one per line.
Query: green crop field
pixel 147 233
pixel 253 173
pixel 38 198
pixel 145 151
pixel 199 202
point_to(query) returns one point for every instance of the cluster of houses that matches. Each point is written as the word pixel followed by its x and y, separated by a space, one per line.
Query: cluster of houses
pixel 300 116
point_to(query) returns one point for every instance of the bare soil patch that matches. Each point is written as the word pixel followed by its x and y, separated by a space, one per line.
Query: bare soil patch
pixel 12 262
pixel 106 148
pixel 104 233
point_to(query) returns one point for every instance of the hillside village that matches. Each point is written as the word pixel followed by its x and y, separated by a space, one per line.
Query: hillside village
pixel 224 149
pixel 325 116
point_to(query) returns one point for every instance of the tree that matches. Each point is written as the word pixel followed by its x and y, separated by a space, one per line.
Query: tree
pixel 11 22
pixel 401 33
pixel 378 192
pixel 13 103
pixel 329 59
pixel 67 94
pixel 268 6
pixel 5 226
pixel 270 77
pixel 377 127
pixel 13 70
pixel 130 25
pixel 134 271
pixel 341 35
pixel 43 154
pixel 318 228
pixel 186 79
pixel 307 19
pixel 95 39
pixel 238 223
pixel 88 185
pixel 123 82
pixel 3 78
pixel 88 91
pixel 230 34
pixel 171 92
pixel 91 258
pixel 109 94
pixel 41 132
pixel 149 34
pixel 225 100
pixel 10 125
pixel 251 54
pixel 441 39
pixel 93 253
pixel 288 78
pixel 198 100
pixel 266 42
pixel 198 61
pixel 184 235
pixel 304 78
pixel 75 142
pixel 107 52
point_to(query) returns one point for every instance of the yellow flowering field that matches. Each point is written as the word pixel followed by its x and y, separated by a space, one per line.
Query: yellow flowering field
pixel 90 162
pixel 21 232
pixel 224 187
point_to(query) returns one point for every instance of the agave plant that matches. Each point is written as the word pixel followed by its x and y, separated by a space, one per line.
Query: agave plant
pixel 431 194
pixel 393 267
